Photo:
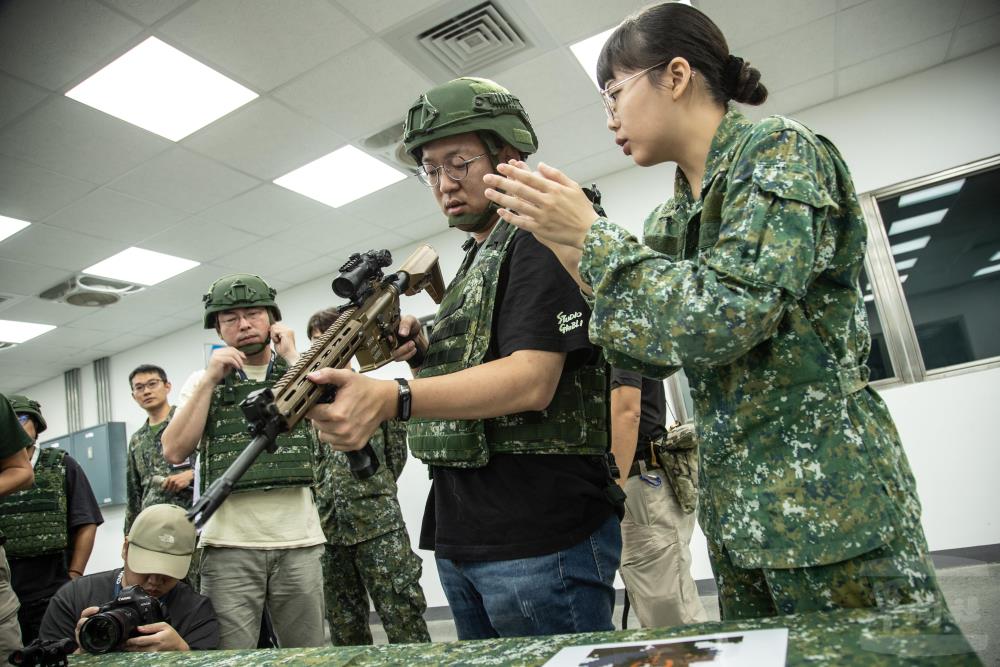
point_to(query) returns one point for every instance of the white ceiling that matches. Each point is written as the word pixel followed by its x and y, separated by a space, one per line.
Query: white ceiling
pixel 329 73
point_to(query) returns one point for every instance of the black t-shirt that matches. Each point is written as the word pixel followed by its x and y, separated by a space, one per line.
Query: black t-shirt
pixel 39 577
pixel 523 505
pixel 191 614
pixel 653 402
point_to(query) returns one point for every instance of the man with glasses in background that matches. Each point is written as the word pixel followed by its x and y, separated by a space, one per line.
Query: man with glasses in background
pixel 50 527
pixel 263 545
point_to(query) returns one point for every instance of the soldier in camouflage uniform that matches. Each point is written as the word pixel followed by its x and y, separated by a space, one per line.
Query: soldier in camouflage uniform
pixel 50 528
pixel 15 474
pixel 749 280
pixel 510 401
pixel 368 549
pixel 262 547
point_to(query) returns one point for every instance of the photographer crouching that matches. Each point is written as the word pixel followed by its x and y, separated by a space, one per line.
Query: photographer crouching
pixel 142 606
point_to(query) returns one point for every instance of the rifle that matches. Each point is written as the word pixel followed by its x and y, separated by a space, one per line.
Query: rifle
pixel 366 329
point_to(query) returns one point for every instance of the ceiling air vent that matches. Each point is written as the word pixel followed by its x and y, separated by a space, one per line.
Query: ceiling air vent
pixel 90 291
pixel 388 144
pixel 473 39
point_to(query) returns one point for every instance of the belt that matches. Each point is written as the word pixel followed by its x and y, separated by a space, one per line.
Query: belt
pixel 634 470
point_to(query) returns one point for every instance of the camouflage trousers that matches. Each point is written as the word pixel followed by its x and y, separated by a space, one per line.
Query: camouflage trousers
pixel 193 577
pixel 385 568
pixel 894 574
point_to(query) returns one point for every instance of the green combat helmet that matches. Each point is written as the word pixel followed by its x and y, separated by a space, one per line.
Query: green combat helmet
pixel 25 406
pixel 470 105
pixel 240 290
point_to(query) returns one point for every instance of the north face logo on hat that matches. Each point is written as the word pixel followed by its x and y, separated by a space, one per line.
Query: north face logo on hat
pixel 166 539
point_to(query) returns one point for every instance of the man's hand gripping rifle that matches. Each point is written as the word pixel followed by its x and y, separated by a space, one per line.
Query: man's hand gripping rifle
pixel 367 328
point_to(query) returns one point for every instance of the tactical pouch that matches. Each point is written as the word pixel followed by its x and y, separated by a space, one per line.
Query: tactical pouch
pixel 677 453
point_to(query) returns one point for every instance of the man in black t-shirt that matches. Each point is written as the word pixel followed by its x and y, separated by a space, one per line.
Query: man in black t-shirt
pixel 509 405
pixel 157 553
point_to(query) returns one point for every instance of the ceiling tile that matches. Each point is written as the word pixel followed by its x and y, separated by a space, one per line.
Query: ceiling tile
pixel 795 98
pixel 187 288
pixel 17 98
pixel 550 85
pixel 335 231
pixel 882 26
pixel 120 344
pixel 795 56
pixel 58 248
pixel 264 43
pixel 573 21
pixel 267 256
pixel 161 326
pixel 28 279
pixel 146 11
pixel 745 23
pixel 357 93
pixel 588 169
pixel 264 211
pixel 44 311
pixel 384 14
pixel 74 336
pixel 28 192
pixel 893 65
pixel 54 43
pixel 121 317
pixel 311 269
pixel 11 383
pixel 424 227
pixel 976 10
pixel 573 136
pixel 40 349
pixel 112 215
pixel 394 205
pixel 199 239
pixel 183 180
pixel 265 139
pixel 976 36
pixel 73 139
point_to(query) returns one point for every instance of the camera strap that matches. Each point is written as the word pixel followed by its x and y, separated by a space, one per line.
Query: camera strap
pixel 118 584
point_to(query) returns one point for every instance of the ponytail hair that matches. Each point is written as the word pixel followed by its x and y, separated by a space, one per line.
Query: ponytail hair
pixel 660 33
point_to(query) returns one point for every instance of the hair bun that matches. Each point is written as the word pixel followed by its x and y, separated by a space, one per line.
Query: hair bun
pixel 741 82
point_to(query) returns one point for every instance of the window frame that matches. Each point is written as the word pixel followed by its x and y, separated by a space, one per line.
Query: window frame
pixel 893 310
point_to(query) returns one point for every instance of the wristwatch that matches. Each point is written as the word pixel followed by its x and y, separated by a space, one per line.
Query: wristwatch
pixel 405 400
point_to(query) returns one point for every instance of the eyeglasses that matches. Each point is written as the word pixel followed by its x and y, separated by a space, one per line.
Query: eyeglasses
pixel 232 319
pixel 609 101
pixel 23 418
pixel 457 168
pixel 151 385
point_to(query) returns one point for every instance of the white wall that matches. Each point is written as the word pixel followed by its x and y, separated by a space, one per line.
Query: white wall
pixel 940 118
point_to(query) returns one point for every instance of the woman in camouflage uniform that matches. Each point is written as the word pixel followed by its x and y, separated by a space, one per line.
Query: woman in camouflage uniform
pixel 748 279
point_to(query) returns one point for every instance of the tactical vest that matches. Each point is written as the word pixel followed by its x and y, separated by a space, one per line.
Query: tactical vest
pixel 34 520
pixel 226 436
pixel 576 420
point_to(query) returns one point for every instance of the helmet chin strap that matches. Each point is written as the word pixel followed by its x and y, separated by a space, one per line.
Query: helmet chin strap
pixel 254 348
pixel 477 222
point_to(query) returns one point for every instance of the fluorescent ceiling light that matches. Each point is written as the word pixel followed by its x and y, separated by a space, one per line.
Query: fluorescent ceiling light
pixel 587 52
pixel 904 264
pixel 995 257
pixel 869 297
pixel 902 279
pixel 162 90
pixel 10 226
pixel 340 177
pixel 917 222
pixel 144 267
pixel 910 246
pixel 981 272
pixel 934 192
pixel 18 332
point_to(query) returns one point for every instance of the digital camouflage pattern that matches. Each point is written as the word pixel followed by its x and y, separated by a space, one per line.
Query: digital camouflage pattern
pixel 34 520
pixel 575 422
pixel 912 635
pixel 677 453
pixel 226 436
pixel 146 470
pixel 753 289
pixel 368 550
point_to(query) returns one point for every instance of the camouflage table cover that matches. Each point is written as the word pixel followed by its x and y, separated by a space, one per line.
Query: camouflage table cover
pixel 915 635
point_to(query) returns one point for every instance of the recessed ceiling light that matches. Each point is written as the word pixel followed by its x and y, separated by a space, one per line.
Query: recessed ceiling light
pixel 986 270
pixel 910 246
pixel 10 226
pixel 17 332
pixel 904 264
pixel 587 51
pixel 902 279
pixel 340 177
pixel 162 90
pixel 916 222
pixel 995 257
pixel 144 267
pixel 934 192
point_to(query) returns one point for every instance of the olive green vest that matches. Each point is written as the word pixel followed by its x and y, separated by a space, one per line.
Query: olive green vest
pixel 575 422
pixel 226 436
pixel 34 520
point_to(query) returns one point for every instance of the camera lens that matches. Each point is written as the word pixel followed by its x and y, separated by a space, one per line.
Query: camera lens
pixel 100 633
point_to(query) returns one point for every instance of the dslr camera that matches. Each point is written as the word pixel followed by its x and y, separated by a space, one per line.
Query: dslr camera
pixel 116 621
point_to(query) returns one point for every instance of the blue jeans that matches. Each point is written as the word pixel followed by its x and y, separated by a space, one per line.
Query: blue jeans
pixel 567 591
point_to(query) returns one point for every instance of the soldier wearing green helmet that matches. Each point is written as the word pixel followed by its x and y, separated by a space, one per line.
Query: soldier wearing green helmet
pixel 262 547
pixel 49 528
pixel 509 404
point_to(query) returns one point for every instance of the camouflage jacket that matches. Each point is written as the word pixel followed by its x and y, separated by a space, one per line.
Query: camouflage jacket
pixel 753 289
pixel 353 510
pixel 146 470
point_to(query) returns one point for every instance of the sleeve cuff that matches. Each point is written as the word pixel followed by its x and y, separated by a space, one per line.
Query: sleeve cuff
pixel 604 236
